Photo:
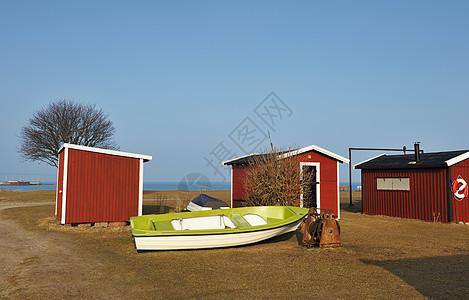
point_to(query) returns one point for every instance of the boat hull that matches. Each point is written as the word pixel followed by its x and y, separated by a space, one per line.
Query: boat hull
pixel 180 242
pixel 214 229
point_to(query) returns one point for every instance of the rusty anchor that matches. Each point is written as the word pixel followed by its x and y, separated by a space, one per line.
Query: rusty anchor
pixel 321 229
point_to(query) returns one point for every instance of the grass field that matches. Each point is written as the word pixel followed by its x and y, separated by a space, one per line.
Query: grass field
pixel 382 257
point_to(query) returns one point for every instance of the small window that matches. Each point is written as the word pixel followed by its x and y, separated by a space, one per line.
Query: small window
pixel 393 184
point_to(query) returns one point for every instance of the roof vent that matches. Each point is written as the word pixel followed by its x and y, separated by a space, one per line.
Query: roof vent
pixel 417 152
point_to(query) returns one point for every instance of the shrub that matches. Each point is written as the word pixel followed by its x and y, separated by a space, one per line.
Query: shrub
pixel 275 178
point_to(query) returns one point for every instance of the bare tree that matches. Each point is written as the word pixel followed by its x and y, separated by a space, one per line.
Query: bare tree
pixel 275 178
pixel 64 121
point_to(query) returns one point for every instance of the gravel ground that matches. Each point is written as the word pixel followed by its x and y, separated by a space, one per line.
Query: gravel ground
pixel 49 265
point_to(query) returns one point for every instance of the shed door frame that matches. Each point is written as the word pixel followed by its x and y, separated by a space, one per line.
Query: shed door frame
pixel 140 187
pixel 58 191
pixel 64 187
pixel 318 180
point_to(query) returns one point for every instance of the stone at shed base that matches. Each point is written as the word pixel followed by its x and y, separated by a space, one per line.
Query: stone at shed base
pixel 117 224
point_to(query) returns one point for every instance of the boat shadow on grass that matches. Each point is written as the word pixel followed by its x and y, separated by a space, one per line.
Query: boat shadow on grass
pixel 278 238
pixel 440 277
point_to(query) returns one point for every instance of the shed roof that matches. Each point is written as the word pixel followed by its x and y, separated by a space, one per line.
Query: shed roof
pixel 105 151
pixel 284 154
pixel 427 160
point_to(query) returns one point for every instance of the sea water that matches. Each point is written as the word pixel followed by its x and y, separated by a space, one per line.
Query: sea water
pixel 149 186
pixel 153 186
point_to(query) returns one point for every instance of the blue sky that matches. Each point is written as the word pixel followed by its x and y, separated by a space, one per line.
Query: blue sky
pixel 178 77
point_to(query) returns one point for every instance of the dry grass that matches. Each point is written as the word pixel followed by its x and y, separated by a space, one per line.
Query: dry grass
pixel 33 196
pixel 156 202
pixel 188 195
pixel 382 257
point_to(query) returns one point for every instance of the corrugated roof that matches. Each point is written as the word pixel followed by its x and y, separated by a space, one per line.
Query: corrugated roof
pixel 427 160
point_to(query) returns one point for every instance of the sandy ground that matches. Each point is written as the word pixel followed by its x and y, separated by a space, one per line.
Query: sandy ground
pixel 34 261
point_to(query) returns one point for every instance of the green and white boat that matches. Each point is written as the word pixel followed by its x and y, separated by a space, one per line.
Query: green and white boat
pixel 214 228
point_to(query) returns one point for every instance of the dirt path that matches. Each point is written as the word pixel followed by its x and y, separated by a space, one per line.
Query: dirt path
pixel 37 264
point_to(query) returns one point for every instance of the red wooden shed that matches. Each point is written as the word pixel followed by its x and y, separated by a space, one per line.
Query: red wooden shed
pixel 428 186
pixel 98 185
pixel 322 162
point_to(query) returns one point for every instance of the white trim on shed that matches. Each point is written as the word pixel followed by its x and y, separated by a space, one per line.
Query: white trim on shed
pixel 384 154
pixel 317 165
pixel 317 149
pixel 65 147
pixel 105 151
pixel 457 159
pixel 297 152
pixel 64 187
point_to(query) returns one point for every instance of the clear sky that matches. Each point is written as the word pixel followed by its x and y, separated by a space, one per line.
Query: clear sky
pixel 182 79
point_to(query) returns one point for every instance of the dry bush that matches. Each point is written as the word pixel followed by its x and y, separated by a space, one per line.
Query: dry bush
pixel 183 199
pixel 275 178
pixel 155 203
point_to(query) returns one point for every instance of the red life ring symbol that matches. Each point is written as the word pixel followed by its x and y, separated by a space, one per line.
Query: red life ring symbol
pixel 460 188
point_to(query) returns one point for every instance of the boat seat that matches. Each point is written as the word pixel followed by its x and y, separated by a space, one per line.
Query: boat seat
pixel 162 225
pixel 254 220
pixel 239 220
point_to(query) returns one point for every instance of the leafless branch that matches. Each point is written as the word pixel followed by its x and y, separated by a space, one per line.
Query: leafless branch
pixel 62 122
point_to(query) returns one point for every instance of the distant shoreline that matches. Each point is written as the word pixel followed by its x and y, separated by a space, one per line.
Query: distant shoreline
pixel 9 184
pixel 147 186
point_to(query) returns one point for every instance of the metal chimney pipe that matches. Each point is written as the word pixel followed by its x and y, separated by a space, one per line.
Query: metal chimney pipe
pixel 417 151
